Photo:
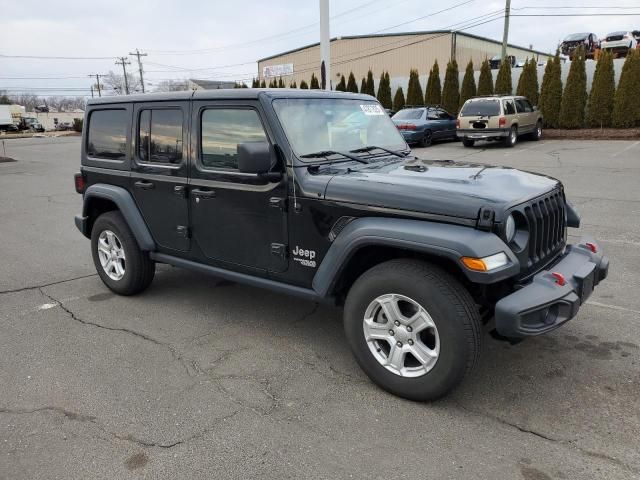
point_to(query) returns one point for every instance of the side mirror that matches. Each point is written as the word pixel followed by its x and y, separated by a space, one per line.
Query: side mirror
pixel 254 157
pixel 535 108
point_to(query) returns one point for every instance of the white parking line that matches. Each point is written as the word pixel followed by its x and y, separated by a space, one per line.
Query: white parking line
pixel 629 147
pixel 612 307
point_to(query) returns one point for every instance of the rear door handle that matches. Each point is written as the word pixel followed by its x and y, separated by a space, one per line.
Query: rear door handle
pixel 144 185
pixel 196 192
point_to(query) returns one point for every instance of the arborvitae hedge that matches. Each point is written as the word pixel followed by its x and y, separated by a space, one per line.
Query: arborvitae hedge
pixel 626 107
pixel 273 83
pixel 574 97
pixel 255 83
pixel 433 93
pixel 398 100
pixel 384 91
pixel 280 83
pixel 528 82
pixel 304 85
pixel 551 92
pixel 342 84
pixel 603 88
pixel 352 86
pixel 263 84
pixel 363 85
pixel 503 80
pixel 468 89
pixel 371 87
pixel 451 88
pixel 485 81
pixel 314 85
pixel 293 84
pixel 414 90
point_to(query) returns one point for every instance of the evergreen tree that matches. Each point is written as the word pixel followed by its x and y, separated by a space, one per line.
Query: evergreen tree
pixel 255 83
pixel 314 85
pixel 303 85
pixel 414 90
pixel 280 83
pixel 352 86
pixel 384 91
pixel 574 97
pixel 433 93
pixel 626 106
pixel 528 82
pixel 398 100
pixel 363 85
pixel 371 88
pixel 551 92
pixel 342 84
pixel 263 84
pixel 485 81
pixel 503 80
pixel 451 88
pixel 468 89
pixel 273 83
pixel 601 97
pixel 293 84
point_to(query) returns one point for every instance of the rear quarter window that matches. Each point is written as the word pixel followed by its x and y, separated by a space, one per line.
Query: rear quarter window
pixel 107 134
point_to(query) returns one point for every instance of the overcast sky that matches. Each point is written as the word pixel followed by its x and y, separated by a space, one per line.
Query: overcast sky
pixel 219 39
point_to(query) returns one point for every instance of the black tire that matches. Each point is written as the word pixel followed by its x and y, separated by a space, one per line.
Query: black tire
pixel 467 142
pixel 426 139
pixel 139 268
pixel 537 133
pixel 450 306
pixel 512 139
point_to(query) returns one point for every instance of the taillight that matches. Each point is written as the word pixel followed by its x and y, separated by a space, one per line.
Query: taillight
pixel 80 182
pixel 457 123
pixel 410 126
pixel 502 121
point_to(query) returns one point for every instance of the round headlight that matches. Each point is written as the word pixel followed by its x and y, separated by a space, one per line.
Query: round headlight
pixel 510 229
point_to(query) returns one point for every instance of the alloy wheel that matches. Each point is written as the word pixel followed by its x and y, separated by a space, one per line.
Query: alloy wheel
pixel 111 254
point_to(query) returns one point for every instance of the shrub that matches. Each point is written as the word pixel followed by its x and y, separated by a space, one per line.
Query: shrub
pixel 626 106
pixel 263 84
pixel 485 81
pixel 342 84
pixel 414 90
pixel 363 85
pixel 280 83
pixel 433 93
pixel 370 85
pixel 574 97
pixel 314 85
pixel 304 85
pixel 503 80
pixel 528 82
pixel 384 91
pixel 255 83
pixel 468 89
pixel 601 97
pixel 293 84
pixel 77 124
pixel 551 92
pixel 451 88
pixel 398 100
pixel 352 86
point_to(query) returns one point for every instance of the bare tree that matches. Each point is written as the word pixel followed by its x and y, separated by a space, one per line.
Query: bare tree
pixel 114 84
pixel 172 86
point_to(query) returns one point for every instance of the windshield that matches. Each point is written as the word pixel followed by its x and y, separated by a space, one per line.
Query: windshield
pixel 576 36
pixel 488 107
pixel 320 124
pixel 409 114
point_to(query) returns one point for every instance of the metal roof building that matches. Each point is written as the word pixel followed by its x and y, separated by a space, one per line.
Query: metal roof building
pixel 396 53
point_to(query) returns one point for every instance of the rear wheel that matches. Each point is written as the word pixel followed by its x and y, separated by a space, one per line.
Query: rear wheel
pixel 512 139
pixel 120 263
pixel 467 142
pixel 413 328
pixel 426 139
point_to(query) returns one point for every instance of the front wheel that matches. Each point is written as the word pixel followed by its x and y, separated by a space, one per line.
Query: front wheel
pixel 120 263
pixel 413 328
pixel 512 139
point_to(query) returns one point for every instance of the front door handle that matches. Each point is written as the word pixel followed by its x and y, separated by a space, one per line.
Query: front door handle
pixel 196 192
pixel 144 185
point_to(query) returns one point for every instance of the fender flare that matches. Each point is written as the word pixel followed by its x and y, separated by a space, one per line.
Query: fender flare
pixel 439 239
pixel 127 207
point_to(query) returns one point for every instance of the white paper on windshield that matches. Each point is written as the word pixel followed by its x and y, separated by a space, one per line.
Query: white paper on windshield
pixel 372 109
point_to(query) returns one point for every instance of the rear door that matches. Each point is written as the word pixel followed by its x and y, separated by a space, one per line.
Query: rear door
pixel 526 115
pixel 448 123
pixel 159 171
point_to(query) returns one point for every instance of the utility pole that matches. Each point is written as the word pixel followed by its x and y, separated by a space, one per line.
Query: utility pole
pixel 97 75
pixel 325 46
pixel 91 91
pixel 124 62
pixel 138 54
pixel 505 34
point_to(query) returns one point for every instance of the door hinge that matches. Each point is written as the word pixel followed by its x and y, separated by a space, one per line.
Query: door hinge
pixel 278 202
pixel 183 231
pixel 279 250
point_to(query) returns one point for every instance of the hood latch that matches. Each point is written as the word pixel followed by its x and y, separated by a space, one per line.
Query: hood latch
pixel 486 219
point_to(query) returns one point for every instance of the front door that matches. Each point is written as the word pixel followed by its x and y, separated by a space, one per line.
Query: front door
pixel 159 171
pixel 237 219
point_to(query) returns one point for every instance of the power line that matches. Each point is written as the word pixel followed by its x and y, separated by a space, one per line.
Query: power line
pixel 43 57
pixel 425 16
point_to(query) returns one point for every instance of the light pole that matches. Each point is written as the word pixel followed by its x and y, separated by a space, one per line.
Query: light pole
pixel 325 46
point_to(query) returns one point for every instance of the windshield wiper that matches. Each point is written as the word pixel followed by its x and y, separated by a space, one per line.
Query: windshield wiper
pixel 374 147
pixel 326 153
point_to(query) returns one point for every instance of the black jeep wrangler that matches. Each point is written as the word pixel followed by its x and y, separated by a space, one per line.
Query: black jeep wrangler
pixel 316 194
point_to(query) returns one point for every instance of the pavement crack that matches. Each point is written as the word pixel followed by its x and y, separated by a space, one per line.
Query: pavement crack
pixel 37 287
pixel 307 315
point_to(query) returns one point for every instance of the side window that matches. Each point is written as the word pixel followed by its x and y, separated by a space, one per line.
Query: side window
pixel 508 107
pixel 107 134
pixel 527 106
pixel 222 129
pixel 520 105
pixel 443 115
pixel 160 135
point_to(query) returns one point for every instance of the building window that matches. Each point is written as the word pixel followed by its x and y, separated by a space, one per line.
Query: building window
pixel 222 129
pixel 107 134
pixel 160 136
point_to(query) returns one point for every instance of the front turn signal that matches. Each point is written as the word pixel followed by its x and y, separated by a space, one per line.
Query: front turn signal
pixel 485 264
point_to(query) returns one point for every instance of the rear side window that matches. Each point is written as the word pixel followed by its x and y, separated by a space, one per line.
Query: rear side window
pixel 523 105
pixel 409 114
pixel 107 134
pixel 509 108
pixel 160 135
pixel 481 107
pixel 221 131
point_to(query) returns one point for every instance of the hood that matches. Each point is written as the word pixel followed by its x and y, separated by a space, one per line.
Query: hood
pixel 438 188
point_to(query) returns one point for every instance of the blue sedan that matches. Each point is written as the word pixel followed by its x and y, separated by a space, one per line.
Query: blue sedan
pixel 422 125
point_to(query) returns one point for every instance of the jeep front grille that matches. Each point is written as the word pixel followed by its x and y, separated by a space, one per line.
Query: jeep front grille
pixel 547 221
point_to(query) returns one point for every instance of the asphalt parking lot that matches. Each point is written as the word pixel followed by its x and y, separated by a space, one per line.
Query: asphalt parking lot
pixel 197 378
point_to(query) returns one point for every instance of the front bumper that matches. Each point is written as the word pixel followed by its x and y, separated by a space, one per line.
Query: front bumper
pixel 482 133
pixel 543 304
